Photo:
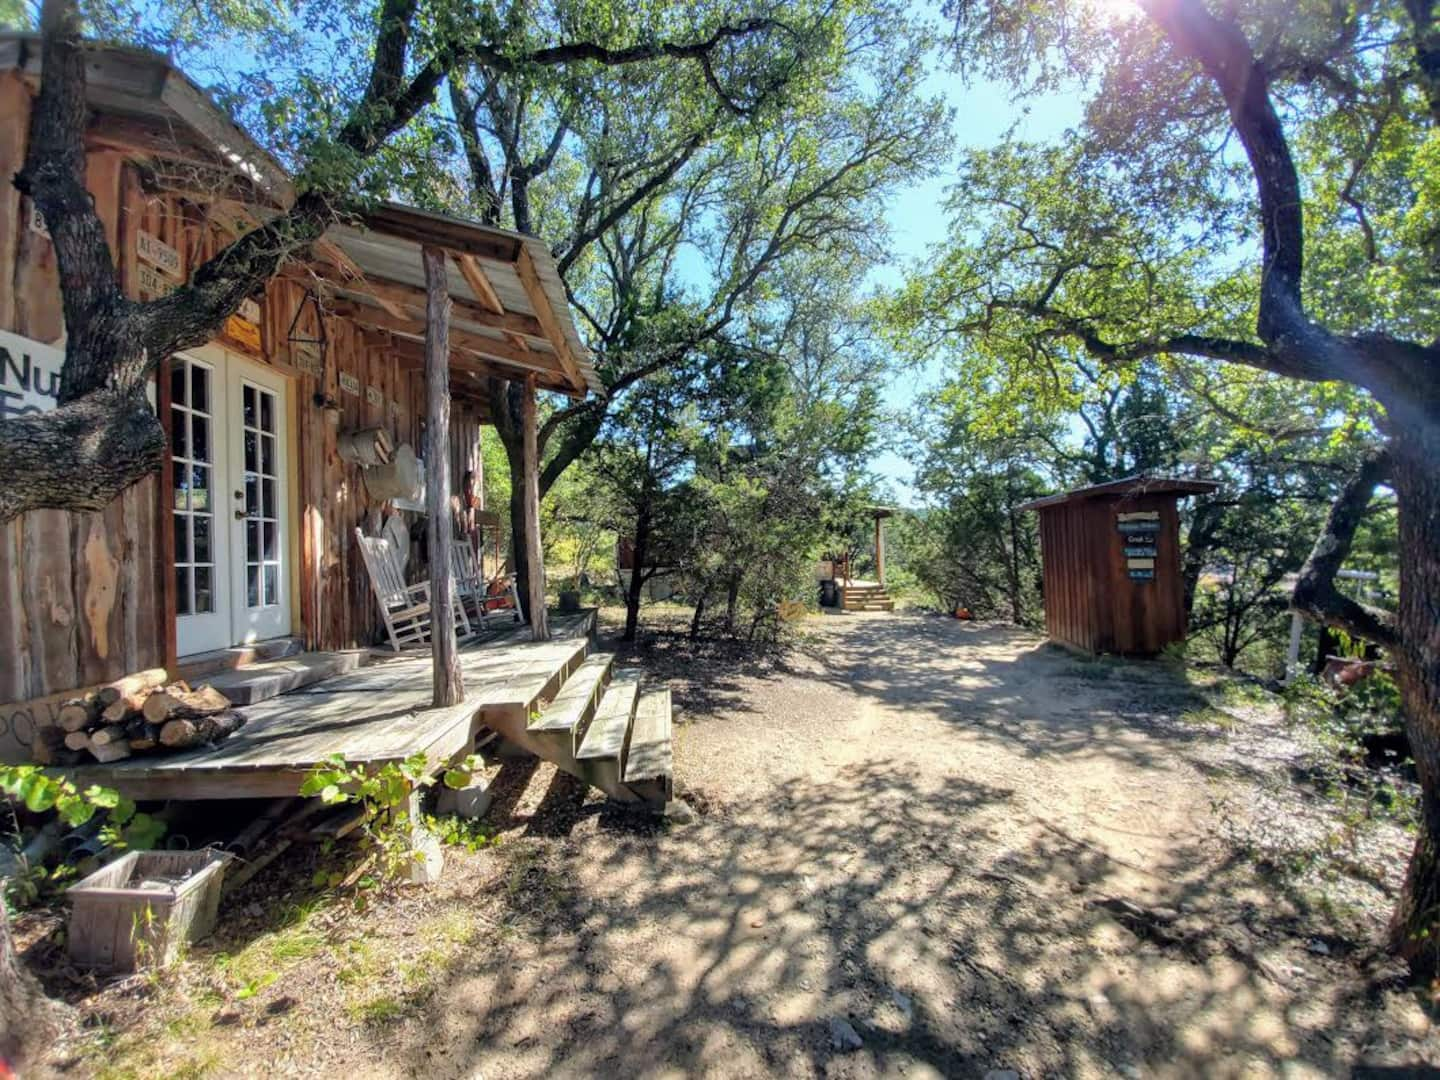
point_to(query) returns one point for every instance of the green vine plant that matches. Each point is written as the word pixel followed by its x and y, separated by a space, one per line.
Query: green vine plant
pixel 30 786
pixel 388 829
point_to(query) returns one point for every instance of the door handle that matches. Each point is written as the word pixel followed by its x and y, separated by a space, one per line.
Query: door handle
pixel 240 511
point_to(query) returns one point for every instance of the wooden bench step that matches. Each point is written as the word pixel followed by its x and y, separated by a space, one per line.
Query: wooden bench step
pixel 575 703
pixel 260 682
pixel 198 667
pixel 606 737
pixel 648 755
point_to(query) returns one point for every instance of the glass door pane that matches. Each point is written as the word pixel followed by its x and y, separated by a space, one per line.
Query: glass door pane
pixel 192 448
pixel 259 437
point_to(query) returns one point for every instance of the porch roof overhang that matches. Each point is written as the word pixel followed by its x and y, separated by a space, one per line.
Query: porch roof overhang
pixel 510 316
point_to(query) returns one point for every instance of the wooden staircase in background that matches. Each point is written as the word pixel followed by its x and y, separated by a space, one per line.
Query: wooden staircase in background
pixel 865 596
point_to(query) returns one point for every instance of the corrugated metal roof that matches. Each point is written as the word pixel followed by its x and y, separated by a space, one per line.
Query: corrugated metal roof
pixel 390 257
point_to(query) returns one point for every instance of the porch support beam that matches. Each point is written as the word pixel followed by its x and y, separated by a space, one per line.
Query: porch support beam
pixel 496 348
pixel 534 557
pixel 399 299
pixel 445 658
pixel 880 549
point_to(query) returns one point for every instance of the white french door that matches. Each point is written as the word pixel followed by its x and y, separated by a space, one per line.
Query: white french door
pixel 228 442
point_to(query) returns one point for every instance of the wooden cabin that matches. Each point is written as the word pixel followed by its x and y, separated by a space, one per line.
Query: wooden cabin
pixel 1111 564
pixel 248 533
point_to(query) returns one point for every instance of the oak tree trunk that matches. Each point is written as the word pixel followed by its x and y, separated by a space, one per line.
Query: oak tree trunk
pixel 635 593
pixel 530 490
pixel 27 1017
pixel 1415 927
pixel 506 410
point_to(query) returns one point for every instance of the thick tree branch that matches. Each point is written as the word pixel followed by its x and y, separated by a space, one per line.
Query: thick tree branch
pixel 53 176
pixel 482 178
pixel 1315 595
pixel 588 234
pixel 1400 374
pixel 80 455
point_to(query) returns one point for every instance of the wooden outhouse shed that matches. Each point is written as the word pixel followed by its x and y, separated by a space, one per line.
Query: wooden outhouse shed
pixel 1111 558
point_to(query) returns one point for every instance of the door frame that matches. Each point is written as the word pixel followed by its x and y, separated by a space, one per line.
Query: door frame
pixel 245 628
pixel 232 369
pixel 210 630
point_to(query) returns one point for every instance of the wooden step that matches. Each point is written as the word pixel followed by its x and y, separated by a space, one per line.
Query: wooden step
pixel 648 762
pixel 570 712
pixel 606 737
pixel 260 682
pixel 598 759
pixel 200 666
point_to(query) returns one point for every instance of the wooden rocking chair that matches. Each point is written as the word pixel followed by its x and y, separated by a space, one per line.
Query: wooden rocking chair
pixel 404 608
pixel 470 584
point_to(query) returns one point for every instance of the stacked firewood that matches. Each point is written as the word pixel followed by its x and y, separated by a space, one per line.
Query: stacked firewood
pixel 139 714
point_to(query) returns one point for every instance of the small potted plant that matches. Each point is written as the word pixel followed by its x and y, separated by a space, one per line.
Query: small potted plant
pixel 570 597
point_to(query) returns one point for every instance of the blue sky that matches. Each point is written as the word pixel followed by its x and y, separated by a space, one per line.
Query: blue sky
pixel 983 115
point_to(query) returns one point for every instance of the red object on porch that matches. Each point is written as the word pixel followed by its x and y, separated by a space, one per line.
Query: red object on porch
pixel 498 595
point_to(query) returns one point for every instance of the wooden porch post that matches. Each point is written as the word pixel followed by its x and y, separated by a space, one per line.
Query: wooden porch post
pixel 880 549
pixel 444 650
pixel 534 557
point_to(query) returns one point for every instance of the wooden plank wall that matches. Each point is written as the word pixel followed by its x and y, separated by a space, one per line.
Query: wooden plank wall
pixel 1070 602
pixel 1148 614
pixel 78 602
pixel 85 598
pixel 337 607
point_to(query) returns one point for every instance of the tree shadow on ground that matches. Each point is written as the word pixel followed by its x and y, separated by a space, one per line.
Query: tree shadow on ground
pixel 905 908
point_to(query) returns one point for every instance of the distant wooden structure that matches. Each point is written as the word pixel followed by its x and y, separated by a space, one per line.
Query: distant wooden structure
pixel 1111 557
pixel 838 588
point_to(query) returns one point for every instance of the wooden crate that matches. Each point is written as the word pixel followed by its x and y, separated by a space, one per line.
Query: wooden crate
pixel 117 924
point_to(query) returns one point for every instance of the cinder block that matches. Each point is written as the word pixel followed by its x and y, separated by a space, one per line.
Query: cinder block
pixel 469 802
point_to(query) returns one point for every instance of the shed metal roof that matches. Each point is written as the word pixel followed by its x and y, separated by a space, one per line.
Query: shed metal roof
pixel 1128 487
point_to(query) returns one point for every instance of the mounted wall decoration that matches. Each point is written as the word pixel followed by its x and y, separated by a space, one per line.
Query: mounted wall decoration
pixel 1139 538
pixel 243 328
pixel 398 480
pixel 158 253
pixel 307 347
pixel 366 447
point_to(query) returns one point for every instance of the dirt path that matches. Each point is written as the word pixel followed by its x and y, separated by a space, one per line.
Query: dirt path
pixel 912 832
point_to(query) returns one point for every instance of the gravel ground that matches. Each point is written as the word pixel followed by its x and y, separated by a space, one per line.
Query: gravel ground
pixel 923 848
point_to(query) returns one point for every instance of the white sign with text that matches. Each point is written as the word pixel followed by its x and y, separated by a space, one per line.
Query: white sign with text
pixel 29 375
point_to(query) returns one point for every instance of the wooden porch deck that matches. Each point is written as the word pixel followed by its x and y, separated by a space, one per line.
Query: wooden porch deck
pixel 375 715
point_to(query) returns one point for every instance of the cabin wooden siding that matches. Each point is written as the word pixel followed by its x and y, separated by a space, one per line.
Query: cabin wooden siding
pixel 78 604
pixel 86 598
pixel 1091 603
